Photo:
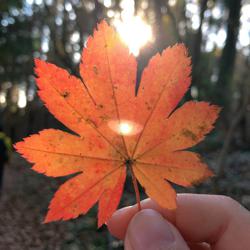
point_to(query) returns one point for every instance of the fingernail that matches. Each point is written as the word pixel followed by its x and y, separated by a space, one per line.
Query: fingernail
pixel 149 230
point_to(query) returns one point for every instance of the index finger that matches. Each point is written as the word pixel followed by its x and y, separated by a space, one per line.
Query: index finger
pixel 215 219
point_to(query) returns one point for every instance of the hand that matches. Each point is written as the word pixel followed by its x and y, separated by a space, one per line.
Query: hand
pixel 200 222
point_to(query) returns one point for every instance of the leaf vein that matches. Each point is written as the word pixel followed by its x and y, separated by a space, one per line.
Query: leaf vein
pixel 88 189
pixel 72 155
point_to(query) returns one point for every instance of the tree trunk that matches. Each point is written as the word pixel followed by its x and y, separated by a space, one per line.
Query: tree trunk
pixel 196 55
pixel 227 60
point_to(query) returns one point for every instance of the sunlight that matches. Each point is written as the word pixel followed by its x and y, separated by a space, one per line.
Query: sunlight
pixel 2 99
pixel 107 3
pixel 133 30
pixel 125 127
pixel 22 100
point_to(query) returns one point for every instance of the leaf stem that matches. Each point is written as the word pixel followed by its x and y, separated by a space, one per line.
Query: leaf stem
pixel 137 194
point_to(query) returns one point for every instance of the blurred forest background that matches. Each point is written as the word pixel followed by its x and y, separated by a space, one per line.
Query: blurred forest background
pixel 217 34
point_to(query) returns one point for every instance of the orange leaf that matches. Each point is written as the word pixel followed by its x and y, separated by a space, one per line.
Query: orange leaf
pixel 116 130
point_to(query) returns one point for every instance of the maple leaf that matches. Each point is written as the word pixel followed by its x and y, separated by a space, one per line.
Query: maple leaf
pixel 116 129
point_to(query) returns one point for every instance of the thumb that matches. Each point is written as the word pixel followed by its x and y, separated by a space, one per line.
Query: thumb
pixel 148 230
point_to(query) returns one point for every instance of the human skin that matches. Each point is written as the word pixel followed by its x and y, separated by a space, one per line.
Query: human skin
pixel 200 222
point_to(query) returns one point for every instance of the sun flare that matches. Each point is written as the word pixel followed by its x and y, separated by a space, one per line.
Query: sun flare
pixel 124 127
pixel 134 32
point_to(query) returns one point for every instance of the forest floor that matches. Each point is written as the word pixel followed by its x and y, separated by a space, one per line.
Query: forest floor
pixel 25 197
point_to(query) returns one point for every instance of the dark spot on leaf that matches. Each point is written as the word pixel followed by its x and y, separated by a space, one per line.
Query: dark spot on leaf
pixel 95 70
pixel 65 94
pixel 104 118
pixel 189 134
pixel 202 128
pixel 148 106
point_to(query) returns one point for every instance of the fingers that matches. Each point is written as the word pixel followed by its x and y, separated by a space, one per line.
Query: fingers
pixel 148 230
pixel 118 223
pixel 200 218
